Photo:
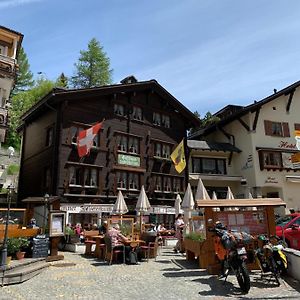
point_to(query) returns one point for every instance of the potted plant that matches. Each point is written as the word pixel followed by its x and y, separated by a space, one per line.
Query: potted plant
pixel 16 245
pixel 23 244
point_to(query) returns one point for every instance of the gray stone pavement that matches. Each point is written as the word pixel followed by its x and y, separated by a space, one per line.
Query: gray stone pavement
pixel 170 277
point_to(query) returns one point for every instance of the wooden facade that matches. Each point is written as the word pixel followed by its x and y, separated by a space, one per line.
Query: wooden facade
pixel 143 125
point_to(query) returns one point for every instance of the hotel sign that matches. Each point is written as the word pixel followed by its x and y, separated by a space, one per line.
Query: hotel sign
pixel 129 160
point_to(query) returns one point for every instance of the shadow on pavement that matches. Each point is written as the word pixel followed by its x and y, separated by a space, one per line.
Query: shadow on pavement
pixel 185 274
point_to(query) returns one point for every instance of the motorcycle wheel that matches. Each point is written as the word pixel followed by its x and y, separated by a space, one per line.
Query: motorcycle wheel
pixel 243 278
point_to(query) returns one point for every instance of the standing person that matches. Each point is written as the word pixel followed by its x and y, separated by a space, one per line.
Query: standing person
pixel 179 225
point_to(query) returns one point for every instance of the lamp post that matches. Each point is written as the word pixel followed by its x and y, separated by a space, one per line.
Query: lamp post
pixel 46 200
pixel 4 246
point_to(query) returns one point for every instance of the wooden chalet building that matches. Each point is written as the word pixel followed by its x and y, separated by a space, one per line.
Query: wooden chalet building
pixel 143 125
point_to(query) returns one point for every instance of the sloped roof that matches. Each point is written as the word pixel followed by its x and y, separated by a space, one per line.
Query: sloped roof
pixel 62 94
pixel 244 110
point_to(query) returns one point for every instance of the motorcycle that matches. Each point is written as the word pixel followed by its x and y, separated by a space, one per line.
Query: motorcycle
pixel 270 258
pixel 232 255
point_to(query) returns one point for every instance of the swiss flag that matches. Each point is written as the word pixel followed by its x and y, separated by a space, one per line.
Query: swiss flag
pixel 85 139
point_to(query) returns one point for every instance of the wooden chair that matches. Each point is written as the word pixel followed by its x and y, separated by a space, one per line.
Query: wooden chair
pixel 113 251
pixel 149 248
pixel 88 247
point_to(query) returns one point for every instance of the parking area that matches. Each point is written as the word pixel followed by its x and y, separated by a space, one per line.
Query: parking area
pixel 169 277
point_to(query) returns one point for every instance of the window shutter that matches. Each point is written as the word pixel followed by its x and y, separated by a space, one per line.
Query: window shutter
pixel 261 160
pixel 268 127
pixel 297 126
pixel 286 129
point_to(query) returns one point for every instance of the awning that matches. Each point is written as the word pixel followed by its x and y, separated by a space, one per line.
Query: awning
pixel 212 146
pixel 241 202
pixel 293 178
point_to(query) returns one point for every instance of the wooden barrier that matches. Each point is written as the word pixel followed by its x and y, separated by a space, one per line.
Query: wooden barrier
pixel 17 231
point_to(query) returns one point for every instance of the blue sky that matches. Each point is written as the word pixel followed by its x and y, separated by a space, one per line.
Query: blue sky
pixel 206 53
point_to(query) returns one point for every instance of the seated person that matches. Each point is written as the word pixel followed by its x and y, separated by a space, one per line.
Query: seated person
pixel 103 227
pixel 161 227
pixel 32 223
pixel 118 239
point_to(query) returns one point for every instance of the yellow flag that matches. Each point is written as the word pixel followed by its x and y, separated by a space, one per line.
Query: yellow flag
pixel 178 157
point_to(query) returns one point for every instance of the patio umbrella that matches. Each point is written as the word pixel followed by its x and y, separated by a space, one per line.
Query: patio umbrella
pixel 229 194
pixel 177 205
pixel 214 196
pixel 201 192
pixel 142 205
pixel 120 206
pixel 187 205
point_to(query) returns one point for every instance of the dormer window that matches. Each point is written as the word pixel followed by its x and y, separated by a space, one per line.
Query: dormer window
pixel 137 113
pixel 119 109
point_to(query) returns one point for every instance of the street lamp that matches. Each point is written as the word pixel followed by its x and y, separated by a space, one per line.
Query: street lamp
pixel 4 246
pixel 46 200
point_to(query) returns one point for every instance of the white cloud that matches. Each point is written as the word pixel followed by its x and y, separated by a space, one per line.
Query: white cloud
pixel 10 3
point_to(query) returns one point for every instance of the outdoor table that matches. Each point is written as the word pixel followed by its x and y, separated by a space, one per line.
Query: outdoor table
pixel 98 239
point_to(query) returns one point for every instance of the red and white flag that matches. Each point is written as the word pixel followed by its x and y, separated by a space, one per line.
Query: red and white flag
pixel 85 139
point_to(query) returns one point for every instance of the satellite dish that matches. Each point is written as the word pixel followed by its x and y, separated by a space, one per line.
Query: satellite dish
pixel 11 151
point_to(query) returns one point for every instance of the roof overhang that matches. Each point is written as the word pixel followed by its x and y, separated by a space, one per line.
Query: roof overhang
pixel 209 146
pixel 41 200
pixel 257 202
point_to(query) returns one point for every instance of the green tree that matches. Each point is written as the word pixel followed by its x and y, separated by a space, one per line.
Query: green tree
pixel 24 79
pixel 208 119
pixel 20 103
pixel 92 68
pixel 62 81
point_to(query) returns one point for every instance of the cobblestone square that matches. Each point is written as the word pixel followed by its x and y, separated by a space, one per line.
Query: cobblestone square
pixel 169 277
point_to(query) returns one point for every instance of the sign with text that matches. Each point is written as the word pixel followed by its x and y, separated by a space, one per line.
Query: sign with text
pixel 129 160
pixel 57 223
pixel 86 208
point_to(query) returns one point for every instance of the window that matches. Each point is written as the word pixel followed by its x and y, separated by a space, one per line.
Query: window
pixel 156 119
pixel 133 145
pixel 277 128
pixel 127 180
pixel 158 183
pixel 166 151
pixel 128 144
pixel 165 121
pixel 209 165
pixel 75 176
pixel 162 150
pixel 177 187
pixel 167 184
pixel 49 137
pixel 297 126
pixel 90 177
pixel 160 119
pixel 137 113
pixel 271 159
pixel 119 109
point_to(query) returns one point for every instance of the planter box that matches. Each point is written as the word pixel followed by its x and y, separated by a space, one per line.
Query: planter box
pixel 203 251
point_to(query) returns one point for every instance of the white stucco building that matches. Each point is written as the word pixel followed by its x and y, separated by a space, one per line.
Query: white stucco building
pixel 252 149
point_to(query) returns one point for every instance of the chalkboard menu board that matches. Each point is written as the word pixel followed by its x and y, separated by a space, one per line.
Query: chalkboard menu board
pixel 40 246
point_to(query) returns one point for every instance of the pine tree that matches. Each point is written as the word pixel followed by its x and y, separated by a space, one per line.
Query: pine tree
pixel 92 68
pixel 62 81
pixel 24 79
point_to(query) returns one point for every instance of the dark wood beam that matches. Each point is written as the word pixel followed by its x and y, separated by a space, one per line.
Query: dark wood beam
pixel 244 124
pixel 256 118
pixel 288 105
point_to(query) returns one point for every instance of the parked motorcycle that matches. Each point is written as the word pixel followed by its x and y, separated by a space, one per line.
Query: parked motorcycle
pixel 232 255
pixel 270 258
